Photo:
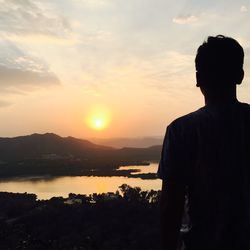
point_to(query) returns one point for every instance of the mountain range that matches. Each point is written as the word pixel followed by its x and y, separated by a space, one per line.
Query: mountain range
pixel 135 142
pixel 50 154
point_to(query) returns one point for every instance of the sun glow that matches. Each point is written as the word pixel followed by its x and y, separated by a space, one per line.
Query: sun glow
pixel 98 123
pixel 98 119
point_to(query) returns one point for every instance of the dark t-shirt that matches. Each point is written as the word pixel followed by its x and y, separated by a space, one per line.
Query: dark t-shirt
pixel 209 151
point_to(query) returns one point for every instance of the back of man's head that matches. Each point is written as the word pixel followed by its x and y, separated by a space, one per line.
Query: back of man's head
pixel 219 62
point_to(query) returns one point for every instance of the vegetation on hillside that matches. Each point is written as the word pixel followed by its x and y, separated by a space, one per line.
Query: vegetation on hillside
pixel 125 220
pixel 50 154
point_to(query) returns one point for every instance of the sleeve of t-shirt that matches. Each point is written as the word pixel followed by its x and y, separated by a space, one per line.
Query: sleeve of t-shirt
pixel 173 163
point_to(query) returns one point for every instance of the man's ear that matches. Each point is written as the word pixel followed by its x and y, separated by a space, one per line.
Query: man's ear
pixel 198 79
pixel 240 77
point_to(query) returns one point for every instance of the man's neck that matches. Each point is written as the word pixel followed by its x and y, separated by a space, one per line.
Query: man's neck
pixel 221 98
pixel 219 101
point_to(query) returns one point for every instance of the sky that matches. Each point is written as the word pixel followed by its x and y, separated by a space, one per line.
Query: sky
pixel 107 68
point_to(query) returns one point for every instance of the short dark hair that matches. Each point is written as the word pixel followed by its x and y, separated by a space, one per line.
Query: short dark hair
pixel 220 59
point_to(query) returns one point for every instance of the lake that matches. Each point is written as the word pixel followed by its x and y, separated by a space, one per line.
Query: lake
pixel 47 187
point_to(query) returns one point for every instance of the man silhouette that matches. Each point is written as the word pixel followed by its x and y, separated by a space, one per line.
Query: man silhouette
pixel 206 157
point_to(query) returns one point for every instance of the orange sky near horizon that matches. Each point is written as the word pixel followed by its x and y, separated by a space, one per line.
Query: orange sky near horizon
pixel 107 68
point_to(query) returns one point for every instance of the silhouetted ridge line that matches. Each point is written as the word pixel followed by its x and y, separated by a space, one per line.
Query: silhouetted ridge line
pixel 50 154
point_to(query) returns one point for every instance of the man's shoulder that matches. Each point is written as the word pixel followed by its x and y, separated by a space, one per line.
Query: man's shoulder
pixel 189 119
pixel 204 114
pixel 244 106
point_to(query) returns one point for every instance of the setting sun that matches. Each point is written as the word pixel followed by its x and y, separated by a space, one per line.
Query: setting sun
pixel 98 123
pixel 98 119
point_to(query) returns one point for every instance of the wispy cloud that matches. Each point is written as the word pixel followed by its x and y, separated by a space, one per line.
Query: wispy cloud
pixel 243 8
pixel 22 72
pixel 27 19
pixel 172 70
pixel 94 3
pixel 168 71
pixel 25 79
pixel 185 19
pixel 4 104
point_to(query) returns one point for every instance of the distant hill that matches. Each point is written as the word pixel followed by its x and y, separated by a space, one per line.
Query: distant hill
pixel 50 154
pixel 37 145
pixel 137 142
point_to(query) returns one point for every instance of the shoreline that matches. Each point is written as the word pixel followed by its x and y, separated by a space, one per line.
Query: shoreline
pixel 118 173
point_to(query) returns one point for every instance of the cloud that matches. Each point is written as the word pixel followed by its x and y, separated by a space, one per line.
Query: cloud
pixel 27 18
pixel 186 19
pixel 172 70
pixel 93 3
pixel 22 72
pixel 25 79
pixel 243 8
pixel 168 72
pixel 4 104
pixel 27 21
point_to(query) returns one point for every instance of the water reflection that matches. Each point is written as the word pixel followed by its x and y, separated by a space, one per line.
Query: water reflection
pixel 47 187
pixel 152 168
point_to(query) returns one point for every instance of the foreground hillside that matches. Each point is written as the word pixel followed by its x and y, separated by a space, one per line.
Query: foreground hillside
pixel 50 154
pixel 125 221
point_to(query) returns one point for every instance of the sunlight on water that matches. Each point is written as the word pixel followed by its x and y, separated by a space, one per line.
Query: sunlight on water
pixel 152 168
pixel 46 188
